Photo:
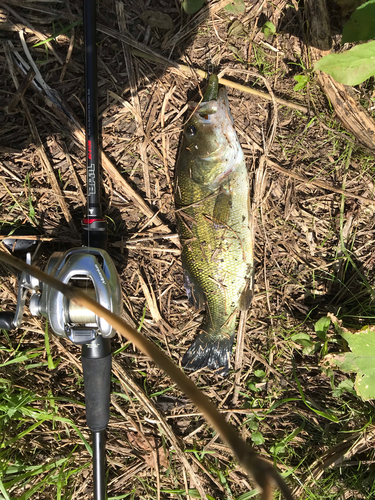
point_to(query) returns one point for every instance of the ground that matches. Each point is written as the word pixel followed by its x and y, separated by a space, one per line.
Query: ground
pixel 293 410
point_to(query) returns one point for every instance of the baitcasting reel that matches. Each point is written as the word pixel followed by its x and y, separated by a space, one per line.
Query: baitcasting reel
pixel 90 269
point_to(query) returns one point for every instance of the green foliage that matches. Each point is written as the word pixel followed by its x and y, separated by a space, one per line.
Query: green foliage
pixel 236 7
pixel 325 414
pixel 351 67
pixel 344 386
pixel 248 495
pixel 360 360
pixel 357 64
pixel 279 447
pixel 51 364
pixel 61 32
pixel 257 438
pixel 192 6
pixel 301 82
pixel 361 25
pixel 322 326
pixel 21 412
pixel 268 29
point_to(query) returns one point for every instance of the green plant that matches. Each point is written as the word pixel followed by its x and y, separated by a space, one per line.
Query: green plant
pixel 235 7
pixel 192 6
pixel 356 65
pixel 360 359
pixel 301 80
pixel 61 32
pixel 268 29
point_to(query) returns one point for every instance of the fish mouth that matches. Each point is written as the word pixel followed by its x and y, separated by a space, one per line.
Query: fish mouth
pixel 211 112
pixel 216 116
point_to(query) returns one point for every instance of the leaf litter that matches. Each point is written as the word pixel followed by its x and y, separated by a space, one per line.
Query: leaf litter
pixel 298 273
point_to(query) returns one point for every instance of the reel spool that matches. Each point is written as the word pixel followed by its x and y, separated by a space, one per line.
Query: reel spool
pixel 92 270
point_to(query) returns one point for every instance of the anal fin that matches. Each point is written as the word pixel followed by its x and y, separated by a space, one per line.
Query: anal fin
pixel 194 292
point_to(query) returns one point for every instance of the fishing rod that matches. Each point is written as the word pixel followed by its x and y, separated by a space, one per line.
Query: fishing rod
pixel 88 267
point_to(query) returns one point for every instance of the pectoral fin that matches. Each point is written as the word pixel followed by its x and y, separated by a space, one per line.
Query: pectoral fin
pixel 223 207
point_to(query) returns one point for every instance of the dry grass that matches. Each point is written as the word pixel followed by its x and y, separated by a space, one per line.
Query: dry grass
pixel 300 270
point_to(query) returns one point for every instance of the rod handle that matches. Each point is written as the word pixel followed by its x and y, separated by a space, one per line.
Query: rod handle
pixel 97 381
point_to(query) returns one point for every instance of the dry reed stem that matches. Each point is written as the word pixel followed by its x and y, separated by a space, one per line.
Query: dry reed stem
pixel 74 173
pixel 134 96
pixel 128 383
pixel 186 70
pixel 165 140
pixel 263 472
pixel 150 298
pixel 68 121
pixel 20 92
pixel 239 355
pixel 39 146
pixel 40 35
pixel 325 186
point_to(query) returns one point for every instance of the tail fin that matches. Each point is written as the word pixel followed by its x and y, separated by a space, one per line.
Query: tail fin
pixel 209 351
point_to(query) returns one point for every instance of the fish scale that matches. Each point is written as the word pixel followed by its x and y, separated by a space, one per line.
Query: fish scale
pixel 212 199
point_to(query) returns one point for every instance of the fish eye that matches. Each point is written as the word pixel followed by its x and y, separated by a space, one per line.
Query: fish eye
pixel 191 130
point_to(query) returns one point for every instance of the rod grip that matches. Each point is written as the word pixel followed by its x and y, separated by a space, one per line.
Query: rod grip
pixel 97 380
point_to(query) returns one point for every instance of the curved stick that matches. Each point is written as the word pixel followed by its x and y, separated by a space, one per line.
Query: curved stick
pixel 262 471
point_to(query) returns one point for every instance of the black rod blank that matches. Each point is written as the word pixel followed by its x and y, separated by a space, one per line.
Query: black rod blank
pixel 91 88
pixel 98 448
pixel 96 356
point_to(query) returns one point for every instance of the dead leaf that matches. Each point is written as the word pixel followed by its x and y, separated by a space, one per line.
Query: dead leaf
pixel 149 445
pixel 157 19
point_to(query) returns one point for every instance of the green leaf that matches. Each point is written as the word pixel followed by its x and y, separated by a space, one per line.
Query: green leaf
pixel 361 25
pixel 259 373
pixel 302 339
pixel 248 495
pixel 257 437
pixel 237 29
pixel 361 360
pixel 268 29
pixel 322 327
pixel 64 30
pixel 252 387
pixel 302 82
pixel 324 414
pixel 192 6
pixel 253 425
pixel 309 349
pixel 300 336
pixel 351 67
pixel 344 386
pixel 236 7
pixel 157 19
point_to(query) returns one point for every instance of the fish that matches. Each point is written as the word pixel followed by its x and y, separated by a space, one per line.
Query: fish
pixel 214 223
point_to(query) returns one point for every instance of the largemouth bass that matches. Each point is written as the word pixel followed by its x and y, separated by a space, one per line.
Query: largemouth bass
pixel 212 199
